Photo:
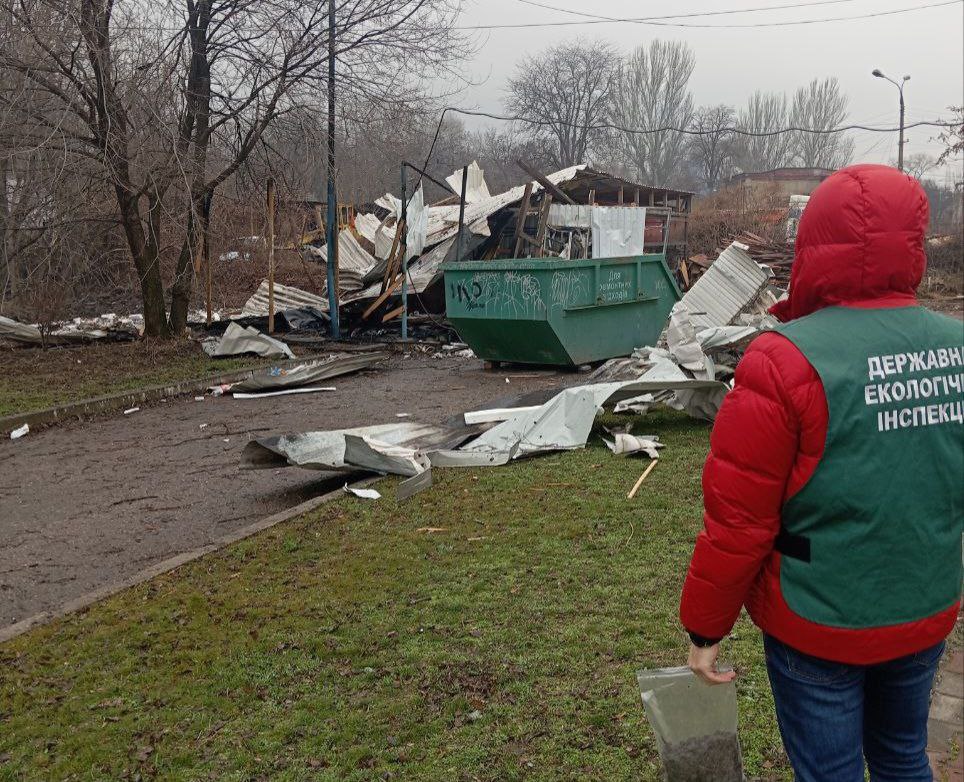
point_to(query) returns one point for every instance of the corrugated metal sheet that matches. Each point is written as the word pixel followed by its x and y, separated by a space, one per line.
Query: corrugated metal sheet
pixel 726 289
pixel 285 298
pixel 356 266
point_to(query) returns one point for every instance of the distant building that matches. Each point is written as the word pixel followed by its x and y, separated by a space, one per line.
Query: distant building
pixel 779 183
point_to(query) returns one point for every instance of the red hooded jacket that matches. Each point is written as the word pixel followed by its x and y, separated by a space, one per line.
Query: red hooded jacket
pixel 860 244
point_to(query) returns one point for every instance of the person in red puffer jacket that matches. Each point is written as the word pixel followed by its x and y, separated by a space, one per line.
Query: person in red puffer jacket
pixel 834 490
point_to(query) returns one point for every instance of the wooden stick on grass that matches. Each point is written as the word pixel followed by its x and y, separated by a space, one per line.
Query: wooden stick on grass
pixel 642 478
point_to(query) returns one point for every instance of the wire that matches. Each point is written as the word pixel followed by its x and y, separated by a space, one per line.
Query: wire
pixel 687 16
pixel 659 20
pixel 686 131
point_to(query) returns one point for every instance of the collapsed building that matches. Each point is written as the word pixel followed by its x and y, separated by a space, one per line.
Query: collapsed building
pixel 575 213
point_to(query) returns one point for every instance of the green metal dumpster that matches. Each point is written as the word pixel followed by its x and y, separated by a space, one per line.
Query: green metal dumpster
pixel 552 311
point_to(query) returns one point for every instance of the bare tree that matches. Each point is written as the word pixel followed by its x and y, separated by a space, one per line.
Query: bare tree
pixel 497 152
pixel 170 99
pixel 918 164
pixel 712 151
pixel 952 137
pixel 819 107
pixel 764 113
pixel 564 94
pixel 652 93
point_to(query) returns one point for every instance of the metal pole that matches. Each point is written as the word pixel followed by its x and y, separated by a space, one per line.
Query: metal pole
pixel 458 242
pixel 404 251
pixel 206 252
pixel 900 145
pixel 331 232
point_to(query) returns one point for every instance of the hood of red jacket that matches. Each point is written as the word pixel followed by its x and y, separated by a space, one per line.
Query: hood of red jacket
pixel 860 240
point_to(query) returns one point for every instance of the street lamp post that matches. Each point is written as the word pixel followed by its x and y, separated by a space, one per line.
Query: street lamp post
pixel 900 89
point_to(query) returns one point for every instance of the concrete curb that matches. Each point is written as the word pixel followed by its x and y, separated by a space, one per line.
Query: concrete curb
pixel 103 404
pixel 165 566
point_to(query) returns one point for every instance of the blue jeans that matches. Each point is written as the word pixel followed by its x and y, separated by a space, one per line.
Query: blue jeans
pixel 832 715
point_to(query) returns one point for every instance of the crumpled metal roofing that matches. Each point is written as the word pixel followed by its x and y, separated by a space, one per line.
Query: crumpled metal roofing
pixel 476 188
pixel 443 221
pixel 356 266
pixel 727 288
pixel 285 298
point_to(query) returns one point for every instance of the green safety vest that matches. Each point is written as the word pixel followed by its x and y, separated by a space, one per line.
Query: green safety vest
pixel 874 537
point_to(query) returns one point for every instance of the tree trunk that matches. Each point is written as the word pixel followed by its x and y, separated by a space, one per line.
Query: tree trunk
pixel 194 131
pixel 184 273
pixel 147 262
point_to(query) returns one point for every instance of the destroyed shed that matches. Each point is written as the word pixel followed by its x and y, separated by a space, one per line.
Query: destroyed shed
pixel 575 213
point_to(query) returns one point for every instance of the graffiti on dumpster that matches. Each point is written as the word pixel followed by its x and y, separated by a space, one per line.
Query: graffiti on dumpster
pixel 569 288
pixel 512 294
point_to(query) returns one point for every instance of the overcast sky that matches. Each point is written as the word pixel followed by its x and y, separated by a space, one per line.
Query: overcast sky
pixel 927 43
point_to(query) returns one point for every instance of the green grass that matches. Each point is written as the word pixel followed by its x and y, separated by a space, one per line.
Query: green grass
pixel 34 379
pixel 347 645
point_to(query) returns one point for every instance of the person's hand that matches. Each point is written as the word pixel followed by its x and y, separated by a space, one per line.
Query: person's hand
pixel 702 662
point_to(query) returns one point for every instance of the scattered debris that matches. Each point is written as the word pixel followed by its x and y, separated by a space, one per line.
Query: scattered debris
pixel 495 415
pixel 365 494
pixel 625 444
pixel 19 432
pixel 639 482
pixel 298 379
pixel 778 258
pixel 326 450
pixel 130 410
pixel 283 392
pixel 238 340
pixel 414 485
pixel 107 327
pixel 728 287
pixel 372 454
pixel 432 529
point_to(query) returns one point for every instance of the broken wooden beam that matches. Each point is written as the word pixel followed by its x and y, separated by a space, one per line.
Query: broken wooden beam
pixel 393 314
pixel 520 222
pixel 381 299
pixel 545 182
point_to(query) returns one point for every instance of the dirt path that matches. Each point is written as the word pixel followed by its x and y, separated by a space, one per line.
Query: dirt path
pixel 84 505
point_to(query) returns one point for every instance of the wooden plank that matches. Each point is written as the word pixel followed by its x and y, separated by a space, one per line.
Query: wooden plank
pixel 381 299
pixel 546 183
pixel 520 221
pixel 632 492
pixel 390 264
pixel 543 222
pixel 393 314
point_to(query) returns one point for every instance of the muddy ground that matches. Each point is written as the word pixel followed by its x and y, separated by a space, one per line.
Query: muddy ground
pixel 83 505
